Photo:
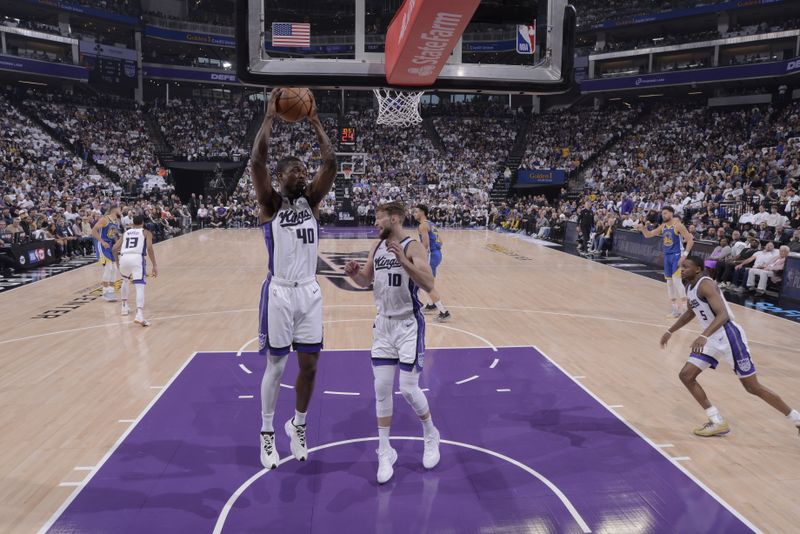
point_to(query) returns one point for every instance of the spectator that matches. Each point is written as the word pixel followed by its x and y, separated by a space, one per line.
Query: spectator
pixel 770 271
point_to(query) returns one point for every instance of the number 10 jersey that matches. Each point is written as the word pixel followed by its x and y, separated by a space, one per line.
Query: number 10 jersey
pixel 395 291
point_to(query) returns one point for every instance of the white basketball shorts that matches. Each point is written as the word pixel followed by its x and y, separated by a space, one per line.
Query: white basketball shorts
pixel 728 344
pixel 132 267
pixel 290 317
pixel 399 341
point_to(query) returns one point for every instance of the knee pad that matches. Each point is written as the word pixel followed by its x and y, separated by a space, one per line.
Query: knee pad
pixel 409 388
pixel 384 379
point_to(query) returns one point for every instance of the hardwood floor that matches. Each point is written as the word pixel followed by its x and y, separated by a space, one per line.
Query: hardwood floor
pixel 74 373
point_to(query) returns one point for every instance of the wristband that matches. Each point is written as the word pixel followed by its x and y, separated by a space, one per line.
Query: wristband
pixel 668 333
pixel 704 337
pixel 684 254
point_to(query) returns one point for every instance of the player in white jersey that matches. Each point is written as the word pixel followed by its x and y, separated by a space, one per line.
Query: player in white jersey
pixel 290 312
pixel 397 267
pixel 129 253
pixel 722 339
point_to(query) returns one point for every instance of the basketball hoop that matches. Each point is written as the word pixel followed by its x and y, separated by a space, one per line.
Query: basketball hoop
pixel 398 108
pixel 347 169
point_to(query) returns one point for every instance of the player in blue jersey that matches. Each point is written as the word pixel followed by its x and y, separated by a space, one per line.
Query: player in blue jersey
pixel 429 236
pixel 672 231
pixel 105 233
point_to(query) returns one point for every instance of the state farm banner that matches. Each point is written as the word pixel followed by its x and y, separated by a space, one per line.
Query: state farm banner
pixel 421 37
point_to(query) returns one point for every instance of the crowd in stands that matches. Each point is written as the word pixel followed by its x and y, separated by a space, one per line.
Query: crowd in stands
pixel 47 191
pixel 207 129
pixel 591 12
pixel 679 37
pixel 723 170
pixel 731 175
pixel 565 139
pixel 201 16
pixel 108 132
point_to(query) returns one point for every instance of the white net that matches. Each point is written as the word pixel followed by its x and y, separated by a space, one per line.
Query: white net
pixel 398 108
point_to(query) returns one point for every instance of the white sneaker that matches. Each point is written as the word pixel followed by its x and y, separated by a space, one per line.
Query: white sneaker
pixel 386 460
pixel 297 437
pixel 110 296
pixel 430 457
pixel 125 310
pixel 269 456
pixel 141 320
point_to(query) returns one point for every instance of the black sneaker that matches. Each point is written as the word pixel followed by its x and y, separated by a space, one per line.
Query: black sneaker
pixel 429 308
pixel 443 317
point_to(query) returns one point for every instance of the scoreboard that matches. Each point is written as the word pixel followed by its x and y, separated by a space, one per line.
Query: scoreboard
pixel 114 71
pixel 347 136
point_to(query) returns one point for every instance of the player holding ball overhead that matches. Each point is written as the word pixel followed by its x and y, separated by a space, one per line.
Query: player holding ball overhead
pixel 290 312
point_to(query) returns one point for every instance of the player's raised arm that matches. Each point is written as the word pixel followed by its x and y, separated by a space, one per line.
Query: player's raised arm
pixel 268 199
pixel 151 251
pixel 415 261
pixel 323 181
pixel 363 276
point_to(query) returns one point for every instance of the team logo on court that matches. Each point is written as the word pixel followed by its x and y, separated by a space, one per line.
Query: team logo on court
pixel 331 266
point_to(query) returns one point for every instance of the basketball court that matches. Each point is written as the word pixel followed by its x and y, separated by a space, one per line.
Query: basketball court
pixel 558 410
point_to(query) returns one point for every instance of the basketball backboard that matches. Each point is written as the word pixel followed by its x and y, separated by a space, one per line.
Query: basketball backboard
pixel 509 46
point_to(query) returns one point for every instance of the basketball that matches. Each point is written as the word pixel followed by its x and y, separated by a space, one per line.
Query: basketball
pixel 294 103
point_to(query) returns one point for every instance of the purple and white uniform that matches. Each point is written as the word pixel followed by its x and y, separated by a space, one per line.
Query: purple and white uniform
pixel 728 343
pixel 290 313
pixel 398 335
pixel 132 264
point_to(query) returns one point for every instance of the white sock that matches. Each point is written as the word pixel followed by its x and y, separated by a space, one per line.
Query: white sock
pixel 440 306
pixel 139 298
pixel 266 422
pixel 383 438
pixel 299 418
pixel 427 426
pixel 794 416
pixel 270 386
pixel 124 291
pixel 714 415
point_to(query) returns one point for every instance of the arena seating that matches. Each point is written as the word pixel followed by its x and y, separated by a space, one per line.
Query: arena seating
pixel 565 139
pixel 207 129
pixel 113 137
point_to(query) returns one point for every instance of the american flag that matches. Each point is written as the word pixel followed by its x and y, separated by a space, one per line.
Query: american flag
pixel 291 34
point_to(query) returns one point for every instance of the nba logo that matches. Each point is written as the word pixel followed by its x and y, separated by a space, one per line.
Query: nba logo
pixel 526 38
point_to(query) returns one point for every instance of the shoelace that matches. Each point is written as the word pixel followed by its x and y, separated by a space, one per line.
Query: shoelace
pixel 301 435
pixel 268 443
pixel 707 425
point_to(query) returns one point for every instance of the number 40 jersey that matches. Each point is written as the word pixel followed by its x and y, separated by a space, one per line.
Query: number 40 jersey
pixel 292 239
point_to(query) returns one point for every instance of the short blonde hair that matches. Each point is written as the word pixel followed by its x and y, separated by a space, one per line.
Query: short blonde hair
pixel 392 208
